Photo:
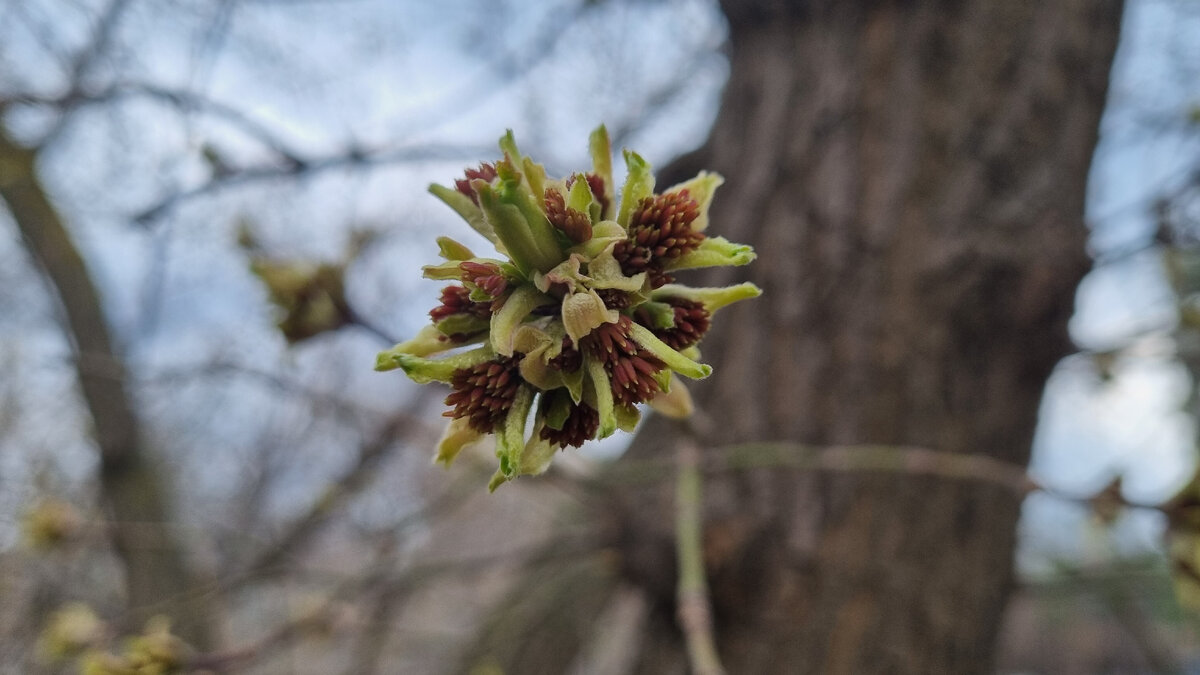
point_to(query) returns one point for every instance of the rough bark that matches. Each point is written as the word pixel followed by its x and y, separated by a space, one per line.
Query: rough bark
pixel 912 175
pixel 132 488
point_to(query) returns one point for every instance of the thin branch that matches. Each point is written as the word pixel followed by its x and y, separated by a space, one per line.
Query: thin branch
pixel 330 400
pixel 694 607
pixel 908 460
pixel 369 647
pixel 354 158
pixel 371 327
pixel 503 68
pixel 866 458
pixel 655 103
pixel 398 585
pixel 306 526
pixel 179 98
pixel 39 32
pixel 229 582
pixel 104 367
pixel 214 39
pixel 295 630
pixel 105 27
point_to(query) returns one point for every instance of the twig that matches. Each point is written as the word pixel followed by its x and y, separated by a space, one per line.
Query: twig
pixel 179 98
pixel 291 631
pixel 352 158
pixel 381 575
pixel 371 327
pixel 908 460
pixel 303 528
pixel 868 458
pixel 695 612
pixel 106 26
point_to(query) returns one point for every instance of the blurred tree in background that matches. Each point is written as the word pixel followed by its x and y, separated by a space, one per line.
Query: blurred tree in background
pixel 183 175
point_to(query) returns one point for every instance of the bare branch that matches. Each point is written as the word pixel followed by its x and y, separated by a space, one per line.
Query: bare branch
pixel 182 99
pixel 354 158
pixel 305 527
pixel 381 577
pixel 101 38
pixel 269 561
pixel 866 458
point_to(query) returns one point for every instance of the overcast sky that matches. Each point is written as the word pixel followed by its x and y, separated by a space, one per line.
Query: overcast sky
pixel 325 76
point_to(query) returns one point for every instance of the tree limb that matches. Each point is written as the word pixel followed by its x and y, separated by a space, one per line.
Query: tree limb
pixel 132 487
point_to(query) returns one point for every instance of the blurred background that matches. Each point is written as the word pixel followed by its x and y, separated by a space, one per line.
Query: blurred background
pixel 172 451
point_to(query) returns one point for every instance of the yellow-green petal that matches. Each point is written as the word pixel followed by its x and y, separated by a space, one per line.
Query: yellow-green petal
pixel 675 402
pixel 537 456
pixel 452 250
pixel 458 435
pixel 627 417
pixel 511 228
pixel 606 272
pixel 712 298
pixel 539 345
pixel 466 208
pixel 514 311
pixel 424 371
pixel 602 390
pixel 584 311
pixel 580 197
pixel 674 360
pixel 713 252
pixel 605 233
pixel 510 438
pixel 639 184
pixel 428 340
pixel 462 324
pixel 601 150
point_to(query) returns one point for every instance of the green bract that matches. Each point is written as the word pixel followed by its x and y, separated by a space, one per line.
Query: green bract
pixel 579 320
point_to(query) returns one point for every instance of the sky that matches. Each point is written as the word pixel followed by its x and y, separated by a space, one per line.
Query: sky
pixel 441 79
pixel 1134 425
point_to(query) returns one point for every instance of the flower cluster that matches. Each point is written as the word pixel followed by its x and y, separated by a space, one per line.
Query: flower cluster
pixel 580 320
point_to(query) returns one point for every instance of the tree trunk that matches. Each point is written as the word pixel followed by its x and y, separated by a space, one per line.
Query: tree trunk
pixel 133 490
pixel 912 175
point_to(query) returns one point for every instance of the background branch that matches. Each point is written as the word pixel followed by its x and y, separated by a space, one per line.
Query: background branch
pixel 131 487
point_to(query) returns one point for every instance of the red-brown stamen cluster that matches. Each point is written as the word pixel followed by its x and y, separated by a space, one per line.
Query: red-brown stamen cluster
pixel 487 277
pixel 660 230
pixel 576 225
pixel 580 426
pixel 614 298
pixel 691 323
pixel 484 393
pixel 485 172
pixel 630 368
pixel 457 300
pixel 568 360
